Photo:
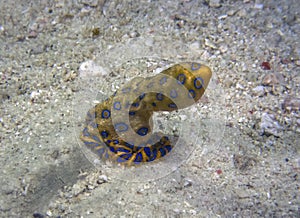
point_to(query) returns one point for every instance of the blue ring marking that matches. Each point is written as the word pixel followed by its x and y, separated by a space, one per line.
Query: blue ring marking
pixel 181 78
pixel 142 96
pixel 85 132
pixel 128 145
pixel 153 104
pixel 127 105
pixel 153 155
pixel 96 138
pixel 111 148
pixel 131 113
pixel 121 159
pixel 121 127
pixel 105 114
pixel 126 90
pixel 117 105
pixel 198 79
pixel 93 144
pixel 91 115
pixel 116 142
pixel 108 141
pixel 100 151
pixel 161 142
pixel 195 66
pixel 104 134
pixel 172 105
pixel 173 93
pixel 168 147
pixel 93 124
pixel 136 104
pixel 124 157
pixel 150 85
pixel 106 155
pixel 159 96
pixel 136 90
pixel 142 131
pixel 138 157
pixel 120 149
pixel 162 152
pixel 147 151
pixel 163 80
pixel 192 93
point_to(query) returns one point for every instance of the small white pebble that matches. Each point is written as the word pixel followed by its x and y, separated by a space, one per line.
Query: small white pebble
pixel 183 117
pixel 193 212
pixel 194 45
pixel 35 94
pixel 49 213
pixel 241 119
pixel 222 17
pixel 223 48
pixel 259 91
pixel 103 178
pixel 239 86
pixel 90 69
pixel 258 6
pixel 187 182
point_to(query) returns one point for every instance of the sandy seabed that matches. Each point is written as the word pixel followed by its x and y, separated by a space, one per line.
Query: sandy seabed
pixel 58 58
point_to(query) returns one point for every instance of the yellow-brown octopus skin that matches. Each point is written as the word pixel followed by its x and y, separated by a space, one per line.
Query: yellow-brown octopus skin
pixel 120 128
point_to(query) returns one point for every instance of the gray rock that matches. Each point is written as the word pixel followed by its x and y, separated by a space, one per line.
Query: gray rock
pixel 269 126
